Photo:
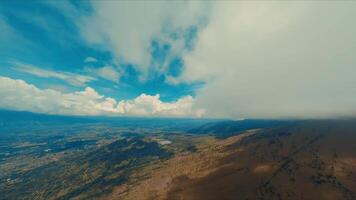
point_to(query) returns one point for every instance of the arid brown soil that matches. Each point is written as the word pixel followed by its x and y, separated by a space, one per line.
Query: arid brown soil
pixel 162 177
pixel 314 160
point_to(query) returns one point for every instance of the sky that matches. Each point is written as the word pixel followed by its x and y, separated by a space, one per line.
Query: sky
pixel 214 59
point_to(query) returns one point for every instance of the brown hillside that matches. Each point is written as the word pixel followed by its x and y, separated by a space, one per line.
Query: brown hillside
pixel 308 160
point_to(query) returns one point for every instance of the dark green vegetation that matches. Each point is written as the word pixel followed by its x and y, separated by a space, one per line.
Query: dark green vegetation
pixel 87 174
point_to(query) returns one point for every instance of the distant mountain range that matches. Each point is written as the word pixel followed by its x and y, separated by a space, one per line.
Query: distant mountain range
pixel 223 129
pixel 12 120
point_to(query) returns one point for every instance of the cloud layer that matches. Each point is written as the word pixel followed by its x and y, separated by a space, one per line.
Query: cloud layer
pixel 276 59
pixel 238 59
pixel 19 95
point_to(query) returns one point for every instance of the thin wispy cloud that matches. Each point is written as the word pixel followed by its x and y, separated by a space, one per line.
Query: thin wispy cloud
pixel 106 72
pixel 71 78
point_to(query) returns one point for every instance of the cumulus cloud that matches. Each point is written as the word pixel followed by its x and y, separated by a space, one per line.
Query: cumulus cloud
pixel 19 95
pixel 152 105
pixel 71 78
pixel 127 28
pixel 276 59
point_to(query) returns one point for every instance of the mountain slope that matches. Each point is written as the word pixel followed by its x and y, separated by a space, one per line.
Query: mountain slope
pixel 304 160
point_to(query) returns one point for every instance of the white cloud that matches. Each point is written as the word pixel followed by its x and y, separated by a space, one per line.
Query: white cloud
pixel 106 72
pixel 259 59
pixel 19 95
pixel 127 28
pixel 90 60
pixel 152 105
pixel 71 78
pixel 276 59
pixel 109 73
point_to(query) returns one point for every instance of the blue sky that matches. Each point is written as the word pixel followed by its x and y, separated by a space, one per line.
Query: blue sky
pixel 230 59
pixel 45 36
